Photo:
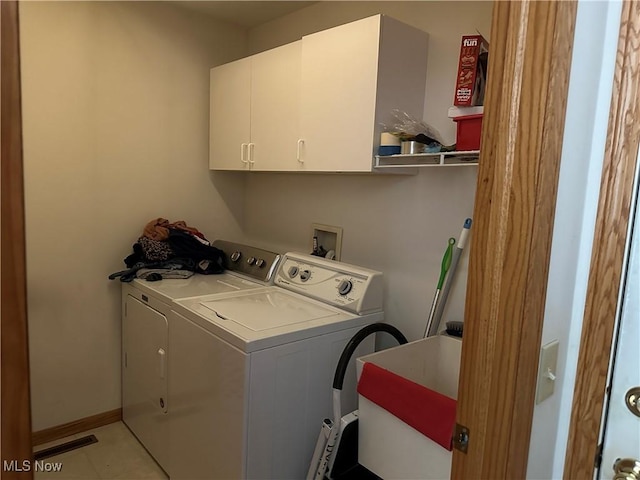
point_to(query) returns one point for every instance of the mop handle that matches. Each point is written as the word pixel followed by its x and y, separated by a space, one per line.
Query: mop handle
pixel 457 253
pixel 462 241
pixel 444 268
pixel 446 262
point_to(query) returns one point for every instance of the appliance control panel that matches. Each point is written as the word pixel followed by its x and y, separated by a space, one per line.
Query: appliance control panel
pixel 254 262
pixel 352 288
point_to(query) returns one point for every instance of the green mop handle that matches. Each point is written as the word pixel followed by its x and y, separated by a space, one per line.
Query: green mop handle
pixel 444 268
pixel 446 262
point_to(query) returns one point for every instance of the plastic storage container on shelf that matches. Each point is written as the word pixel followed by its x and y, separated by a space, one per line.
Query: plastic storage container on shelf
pixel 469 129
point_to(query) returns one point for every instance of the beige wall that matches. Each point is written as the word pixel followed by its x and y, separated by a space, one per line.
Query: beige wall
pixel 115 105
pixel 397 224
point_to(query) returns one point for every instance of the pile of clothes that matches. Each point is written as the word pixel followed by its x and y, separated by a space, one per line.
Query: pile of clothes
pixel 170 250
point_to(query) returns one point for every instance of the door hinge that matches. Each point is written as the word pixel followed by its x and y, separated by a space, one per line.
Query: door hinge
pixel 461 438
pixel 597 461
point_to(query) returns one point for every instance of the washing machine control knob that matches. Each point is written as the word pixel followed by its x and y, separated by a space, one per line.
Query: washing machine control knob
pixel 345 287
pixel 235 256
pixel 293 271
pixel 260 263
pixel 305 275
pixel 251 260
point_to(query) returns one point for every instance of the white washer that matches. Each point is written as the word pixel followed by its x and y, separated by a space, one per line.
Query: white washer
pixel 145 337
pixel 251 372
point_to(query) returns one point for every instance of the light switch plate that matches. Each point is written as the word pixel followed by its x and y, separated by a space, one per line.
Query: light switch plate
pixel 547 371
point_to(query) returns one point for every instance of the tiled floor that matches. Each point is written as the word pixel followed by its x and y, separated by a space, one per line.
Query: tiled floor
pixel 116 456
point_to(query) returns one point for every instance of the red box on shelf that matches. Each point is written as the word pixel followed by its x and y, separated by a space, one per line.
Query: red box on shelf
pixel 472 71
pixel 469 129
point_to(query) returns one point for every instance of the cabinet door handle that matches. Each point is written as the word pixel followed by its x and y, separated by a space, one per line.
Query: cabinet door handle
pixel 299 151
pixel 162 355
pixel 243 152
pixel 251 148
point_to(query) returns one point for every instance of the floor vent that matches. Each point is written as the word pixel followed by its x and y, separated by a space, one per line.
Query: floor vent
pixel 65 447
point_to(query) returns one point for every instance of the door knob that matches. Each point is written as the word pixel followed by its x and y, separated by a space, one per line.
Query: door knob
pixel 632 400
pixel 624 476
pixel 626 469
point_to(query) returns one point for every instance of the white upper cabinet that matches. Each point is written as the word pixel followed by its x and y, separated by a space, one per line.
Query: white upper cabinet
pixel 353 76
pixel 254 111
pixel 318 105
pixel 230 115
pixel 275 100
pixel 338 102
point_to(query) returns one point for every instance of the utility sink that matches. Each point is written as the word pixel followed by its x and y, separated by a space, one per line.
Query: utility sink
pixel 409 436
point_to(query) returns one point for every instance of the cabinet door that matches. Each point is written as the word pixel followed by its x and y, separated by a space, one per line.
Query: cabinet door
pixel 275 86
pixel 144 377
pixel 338 96
pixel 229 116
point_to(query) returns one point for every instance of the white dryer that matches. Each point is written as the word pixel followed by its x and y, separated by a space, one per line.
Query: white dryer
pixel 145 337
pixel 251 371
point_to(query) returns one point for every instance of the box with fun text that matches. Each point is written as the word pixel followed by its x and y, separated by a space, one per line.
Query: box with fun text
pixel 472 71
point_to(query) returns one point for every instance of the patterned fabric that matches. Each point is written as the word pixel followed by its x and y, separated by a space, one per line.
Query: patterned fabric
pixel 154 250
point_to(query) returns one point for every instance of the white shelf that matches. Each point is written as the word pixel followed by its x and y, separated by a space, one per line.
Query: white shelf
pixel 439 159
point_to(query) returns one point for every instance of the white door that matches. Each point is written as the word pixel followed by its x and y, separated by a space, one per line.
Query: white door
pixel 229 115
pixel 144 376
pixel 338 96
pixel 275 109
pixel 621 431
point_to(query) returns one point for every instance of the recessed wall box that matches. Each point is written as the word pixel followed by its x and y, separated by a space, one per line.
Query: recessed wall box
pixel 326 241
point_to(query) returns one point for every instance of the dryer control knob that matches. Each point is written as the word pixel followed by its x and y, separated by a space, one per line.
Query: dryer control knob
pixel 305 275
pixel 260 263
pixel 251 260
pixel 235 256
pixel 293 271
pixel 345 287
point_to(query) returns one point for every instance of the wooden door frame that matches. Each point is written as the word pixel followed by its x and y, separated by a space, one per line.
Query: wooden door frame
pixel 15 437
pixel 607 259
pixel 528 78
